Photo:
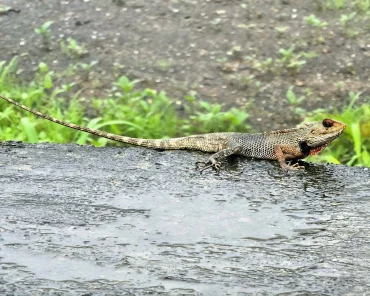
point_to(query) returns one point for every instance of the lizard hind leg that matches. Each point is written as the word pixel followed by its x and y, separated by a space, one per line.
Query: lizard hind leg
pixel 214 161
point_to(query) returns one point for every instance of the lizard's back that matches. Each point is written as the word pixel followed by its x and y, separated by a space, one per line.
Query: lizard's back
pixel 262 145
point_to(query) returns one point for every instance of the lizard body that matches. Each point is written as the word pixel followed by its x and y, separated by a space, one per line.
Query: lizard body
pixel 282 145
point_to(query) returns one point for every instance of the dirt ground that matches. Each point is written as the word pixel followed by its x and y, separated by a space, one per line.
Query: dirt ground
pixel 216 48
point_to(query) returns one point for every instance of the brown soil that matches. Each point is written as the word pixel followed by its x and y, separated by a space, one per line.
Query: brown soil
pixel 195 45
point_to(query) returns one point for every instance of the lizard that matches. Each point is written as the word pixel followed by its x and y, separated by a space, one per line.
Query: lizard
pixel 282 145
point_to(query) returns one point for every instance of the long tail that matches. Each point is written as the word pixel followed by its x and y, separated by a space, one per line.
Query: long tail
pixel 193 142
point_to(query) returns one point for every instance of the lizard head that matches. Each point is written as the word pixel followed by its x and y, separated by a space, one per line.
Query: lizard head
pixel 320 134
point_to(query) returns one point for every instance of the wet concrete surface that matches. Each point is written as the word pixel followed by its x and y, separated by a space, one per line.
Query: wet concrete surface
pixel 132 221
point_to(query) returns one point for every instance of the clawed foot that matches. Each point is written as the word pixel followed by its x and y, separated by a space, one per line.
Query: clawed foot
pixel 294 167
pixel 211 163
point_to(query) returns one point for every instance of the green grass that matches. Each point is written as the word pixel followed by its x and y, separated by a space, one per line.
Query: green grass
pixel 151 114
pixel 142 114
pixel 73 49
pixel 361 5
pixel 353 147
pixel 45 34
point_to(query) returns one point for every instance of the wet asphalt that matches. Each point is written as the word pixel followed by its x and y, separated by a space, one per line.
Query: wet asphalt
pixel 80 220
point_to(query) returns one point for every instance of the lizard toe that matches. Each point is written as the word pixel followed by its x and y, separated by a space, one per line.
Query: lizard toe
pixel 217 166
pixel 298 166
pixel 203 165
pixel 210 164
pixel 292 167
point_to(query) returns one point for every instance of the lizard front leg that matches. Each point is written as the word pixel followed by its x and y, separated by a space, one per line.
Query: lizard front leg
pixel 283 153
pixel 213 161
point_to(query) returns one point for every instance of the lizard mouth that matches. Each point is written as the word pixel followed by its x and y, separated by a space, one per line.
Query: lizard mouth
pixel 318 149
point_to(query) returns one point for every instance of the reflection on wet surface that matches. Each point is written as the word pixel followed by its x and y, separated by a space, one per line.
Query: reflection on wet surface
pixel 128 220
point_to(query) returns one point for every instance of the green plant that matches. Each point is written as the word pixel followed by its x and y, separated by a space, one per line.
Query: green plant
pixel 63 89
pixel 6 70
pixel 344 20
pixel 163 65
pixel 281 31
pixel 262 66
pixel 353 147
pixel 209 117
pixel 266 65
pixel 319 25
pixel 253 84
pixel 236 52
pixel 247 27
pixel 338 4
pixel 45 33
pixel 287 54
pixel 125 84
pixel 291 60
pixel 294 103
pixel 73 49
pixel 86 69
pixel 46 75
pixel 339 85
pixel 308 55
pixel 363 5
pixel 246 80
pixel 316 22
pixel 143 114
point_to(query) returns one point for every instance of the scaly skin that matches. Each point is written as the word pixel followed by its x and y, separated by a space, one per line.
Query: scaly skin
pixel 282 145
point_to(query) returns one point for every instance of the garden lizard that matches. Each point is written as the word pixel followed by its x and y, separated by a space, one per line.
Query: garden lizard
pixel 282 145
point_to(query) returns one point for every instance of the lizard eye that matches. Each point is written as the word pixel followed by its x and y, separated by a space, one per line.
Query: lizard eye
pixel 327 122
